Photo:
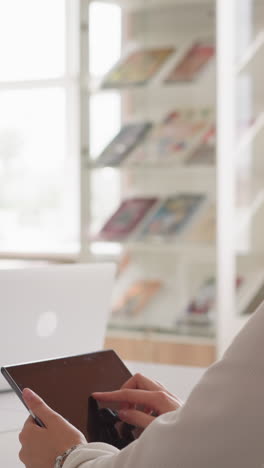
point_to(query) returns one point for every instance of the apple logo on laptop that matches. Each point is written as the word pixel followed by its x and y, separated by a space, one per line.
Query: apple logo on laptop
pixel 47 324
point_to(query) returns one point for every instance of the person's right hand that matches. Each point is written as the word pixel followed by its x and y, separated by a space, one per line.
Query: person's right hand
pixel 141 400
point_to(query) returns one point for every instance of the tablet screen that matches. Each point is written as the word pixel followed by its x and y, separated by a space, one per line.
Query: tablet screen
pixel 66 384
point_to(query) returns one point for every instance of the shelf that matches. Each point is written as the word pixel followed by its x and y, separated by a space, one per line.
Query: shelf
pixel 152 169
pixel 251 52
pixel 250 134
pixel 181 260
pixel 245 214
pixel 170 246
pixel 94 84
pixel 147 180
pixel 160 336
pixel 186 351
pixel 205 253
pixel 249 293
pixel 143 5
pixel 94 87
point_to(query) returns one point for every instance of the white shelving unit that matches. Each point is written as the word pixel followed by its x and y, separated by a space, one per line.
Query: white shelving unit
pixel 139 5
pixel 240 34
pixel 250 134
pixel 186 263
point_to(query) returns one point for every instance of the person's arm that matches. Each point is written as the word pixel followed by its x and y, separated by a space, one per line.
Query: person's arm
pixel 139 397
pixel 220 425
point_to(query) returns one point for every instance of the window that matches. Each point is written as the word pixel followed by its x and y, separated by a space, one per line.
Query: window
pixel 40 119
pixel 38 160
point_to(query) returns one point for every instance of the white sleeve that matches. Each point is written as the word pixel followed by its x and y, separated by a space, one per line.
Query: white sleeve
pixel 220 425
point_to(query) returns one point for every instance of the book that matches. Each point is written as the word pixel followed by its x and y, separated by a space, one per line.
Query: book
pixel 124 142
pixel 205 153
pixel 138 67
pixel 257 299
pixel 136 297
pixel 204 230
pixel 170 141
pixel 172 216
pixel 200 311
pixel 193 62
pixel 126 218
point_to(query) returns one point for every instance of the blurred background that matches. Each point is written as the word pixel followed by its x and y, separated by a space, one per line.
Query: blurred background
pixel 132 131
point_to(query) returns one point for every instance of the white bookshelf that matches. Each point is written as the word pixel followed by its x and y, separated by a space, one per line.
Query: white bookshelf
pixel 167 22
pixel 239 216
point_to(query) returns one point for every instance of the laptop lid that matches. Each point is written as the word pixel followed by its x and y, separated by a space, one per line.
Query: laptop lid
pixel 53 311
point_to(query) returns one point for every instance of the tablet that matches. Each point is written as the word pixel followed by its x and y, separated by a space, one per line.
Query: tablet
pixel 66 384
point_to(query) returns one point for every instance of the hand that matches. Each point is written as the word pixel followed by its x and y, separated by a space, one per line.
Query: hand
pixel 41 445
pixel 141 400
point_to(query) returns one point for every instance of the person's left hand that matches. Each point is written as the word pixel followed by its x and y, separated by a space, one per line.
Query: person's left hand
pixel 41 445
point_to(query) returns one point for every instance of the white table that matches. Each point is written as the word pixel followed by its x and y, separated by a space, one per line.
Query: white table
pixel 179 380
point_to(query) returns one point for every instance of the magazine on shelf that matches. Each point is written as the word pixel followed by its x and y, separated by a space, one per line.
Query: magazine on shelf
pixel 170 141
pixel 203 231
pixel 138 67
pixel 172 216
pixel 257 299
pixel 125 141
pixel 205 153
pixel 126 218
pixel 123 263
pixel 193 62
pixel 200 312
pixel 135 298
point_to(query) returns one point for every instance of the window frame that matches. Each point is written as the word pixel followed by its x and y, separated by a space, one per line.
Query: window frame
pixel 71 83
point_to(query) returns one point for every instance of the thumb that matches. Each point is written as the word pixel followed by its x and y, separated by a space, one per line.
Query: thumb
pixel 38 406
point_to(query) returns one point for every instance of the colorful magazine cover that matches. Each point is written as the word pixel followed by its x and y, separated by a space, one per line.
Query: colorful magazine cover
pixel 137 296
pixel 198 310
pixel 172 216
pixel 138 67
pixel 205 153
pixel 124 142
pixel 204 230
pixel 255 302
pixel 194 61
pixel 169 141
pixel 126 218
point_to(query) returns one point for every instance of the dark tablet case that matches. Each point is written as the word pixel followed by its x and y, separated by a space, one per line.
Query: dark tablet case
pixel 66 383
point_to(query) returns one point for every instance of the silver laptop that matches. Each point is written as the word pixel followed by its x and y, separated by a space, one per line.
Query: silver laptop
pixel 53 311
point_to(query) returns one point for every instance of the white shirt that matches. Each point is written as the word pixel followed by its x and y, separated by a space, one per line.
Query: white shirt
pixel 220 426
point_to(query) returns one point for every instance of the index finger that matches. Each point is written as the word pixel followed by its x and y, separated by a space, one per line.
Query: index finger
pixel 139 381
pixel 130 396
